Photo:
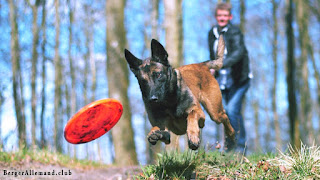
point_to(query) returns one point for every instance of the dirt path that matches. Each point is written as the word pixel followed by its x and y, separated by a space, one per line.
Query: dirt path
pixel 34 170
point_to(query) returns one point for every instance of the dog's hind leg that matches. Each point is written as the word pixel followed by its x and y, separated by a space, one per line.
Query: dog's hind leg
pixel 212 102
pixel 156 135
pixel 227 125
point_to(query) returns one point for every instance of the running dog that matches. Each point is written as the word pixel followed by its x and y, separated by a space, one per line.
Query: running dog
pixel 172 96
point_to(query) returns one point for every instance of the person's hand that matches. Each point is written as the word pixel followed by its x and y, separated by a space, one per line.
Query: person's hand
pixel 212 71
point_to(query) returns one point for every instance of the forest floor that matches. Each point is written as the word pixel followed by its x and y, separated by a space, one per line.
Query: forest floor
pixel 44 164
pixel 295 163
pixel 37 170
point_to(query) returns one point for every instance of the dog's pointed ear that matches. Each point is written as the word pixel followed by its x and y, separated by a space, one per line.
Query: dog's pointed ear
pixel 158 53
pixel 133 62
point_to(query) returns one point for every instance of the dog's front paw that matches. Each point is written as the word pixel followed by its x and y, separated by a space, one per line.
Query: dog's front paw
pixel 159 135
pixel 154 137
pixel 166 137
pixel 193 142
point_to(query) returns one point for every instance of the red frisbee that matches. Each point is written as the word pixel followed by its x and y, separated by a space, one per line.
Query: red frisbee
pixel 93 121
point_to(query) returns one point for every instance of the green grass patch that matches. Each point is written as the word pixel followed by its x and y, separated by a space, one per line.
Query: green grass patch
pixel 298 163
pixel 172 165
pixel 46 157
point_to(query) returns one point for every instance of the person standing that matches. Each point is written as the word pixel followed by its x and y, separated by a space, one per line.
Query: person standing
pixel 234 76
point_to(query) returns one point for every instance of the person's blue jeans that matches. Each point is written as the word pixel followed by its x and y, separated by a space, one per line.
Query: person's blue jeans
pixel 232 100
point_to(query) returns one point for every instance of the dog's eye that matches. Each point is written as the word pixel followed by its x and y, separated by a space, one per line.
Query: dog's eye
pixel 157 74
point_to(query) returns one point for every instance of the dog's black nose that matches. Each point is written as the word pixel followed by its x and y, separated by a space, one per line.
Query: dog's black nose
pixel 153 98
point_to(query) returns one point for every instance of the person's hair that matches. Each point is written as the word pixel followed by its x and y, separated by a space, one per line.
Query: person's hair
pixel 223 6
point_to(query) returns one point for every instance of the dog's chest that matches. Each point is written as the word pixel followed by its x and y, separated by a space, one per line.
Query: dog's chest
pixel 168 118
pixel 175 122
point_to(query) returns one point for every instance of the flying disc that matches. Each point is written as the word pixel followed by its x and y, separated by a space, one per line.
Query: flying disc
pixel 93 121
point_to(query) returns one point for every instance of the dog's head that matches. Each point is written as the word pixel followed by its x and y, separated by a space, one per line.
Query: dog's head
pixel 155 75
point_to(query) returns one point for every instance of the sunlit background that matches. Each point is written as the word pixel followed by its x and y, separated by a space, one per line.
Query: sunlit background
pixel 198 17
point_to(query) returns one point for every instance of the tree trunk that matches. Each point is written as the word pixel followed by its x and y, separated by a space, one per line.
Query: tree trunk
pixel 266 123
pixel 43 74
pixel 275 73
pixel 315 11
pixel 306 104
pixel 316 73
pixel 71 66
pixel 174 31
pixel 86 63
pixel 290 77
pixel 1 103
pixel 256 125
pixel 242 16
pixel 118 82
pixel 73 94
pixel 93 74
pixel 58 131
pixel 17 85
pixel 93 70
pixel 174 44
pixel 34 61
pixel 152 150
pixel 314 6
pixel 155 19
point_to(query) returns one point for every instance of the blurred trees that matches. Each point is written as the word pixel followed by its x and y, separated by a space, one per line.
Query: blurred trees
pixel 43 141
pixel 291 77
pixel 58 131
pixel 302 15
pixel 242 16
pixel 174 44
pixel 118 82
pixel 17 80
pixel 34 62
pixel 64 54
pixel 2 99
pixel 174 31
pixel 153 22
pixel 275 27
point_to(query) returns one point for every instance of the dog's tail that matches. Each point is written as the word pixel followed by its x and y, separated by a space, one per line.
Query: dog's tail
pixel 217 64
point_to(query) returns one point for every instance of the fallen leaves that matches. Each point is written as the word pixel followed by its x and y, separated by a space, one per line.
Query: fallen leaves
pixel 218 145
pixel 264 165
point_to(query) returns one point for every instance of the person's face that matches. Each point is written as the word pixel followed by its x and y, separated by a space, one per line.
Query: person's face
pixel 223 17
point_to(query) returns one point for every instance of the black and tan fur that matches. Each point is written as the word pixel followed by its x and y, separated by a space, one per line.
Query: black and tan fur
pixel 172 96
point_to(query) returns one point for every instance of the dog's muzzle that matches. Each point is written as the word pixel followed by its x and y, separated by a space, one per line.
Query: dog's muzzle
pixel 153 98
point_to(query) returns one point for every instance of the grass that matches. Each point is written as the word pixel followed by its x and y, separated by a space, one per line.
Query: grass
pixel 172 165
pixel 295 163
pixel 46 157
pixel 300 163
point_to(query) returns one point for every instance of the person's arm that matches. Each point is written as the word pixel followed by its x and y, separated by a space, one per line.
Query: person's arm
pixel 238 49
pixel 210 44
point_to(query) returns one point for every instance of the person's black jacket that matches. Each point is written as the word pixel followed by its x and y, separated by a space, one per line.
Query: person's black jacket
pixel 237 56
